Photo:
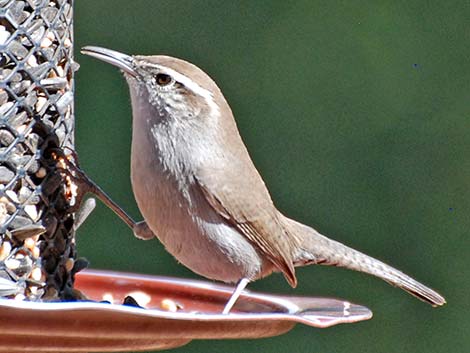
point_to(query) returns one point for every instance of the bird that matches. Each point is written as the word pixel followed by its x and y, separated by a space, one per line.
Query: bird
pixel 200 193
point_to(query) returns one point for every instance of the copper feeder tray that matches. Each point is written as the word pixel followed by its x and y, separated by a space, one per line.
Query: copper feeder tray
pixel 93 326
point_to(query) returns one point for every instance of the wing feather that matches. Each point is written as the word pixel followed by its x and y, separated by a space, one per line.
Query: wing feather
pixel 255 216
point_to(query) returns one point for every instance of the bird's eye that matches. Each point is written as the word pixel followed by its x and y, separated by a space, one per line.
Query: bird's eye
pixel 163 79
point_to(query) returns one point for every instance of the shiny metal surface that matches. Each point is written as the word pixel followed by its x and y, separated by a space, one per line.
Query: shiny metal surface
pixel 93 326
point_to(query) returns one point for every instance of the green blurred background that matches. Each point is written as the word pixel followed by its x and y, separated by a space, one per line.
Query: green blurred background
pixel 357 114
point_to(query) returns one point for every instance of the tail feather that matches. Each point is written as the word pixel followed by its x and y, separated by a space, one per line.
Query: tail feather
pixel 317 249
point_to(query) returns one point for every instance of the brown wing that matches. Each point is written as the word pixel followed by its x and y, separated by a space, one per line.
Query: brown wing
pixel 245 203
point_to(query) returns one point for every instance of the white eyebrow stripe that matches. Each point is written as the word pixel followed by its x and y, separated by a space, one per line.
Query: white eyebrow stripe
pixel 183 79
pixel 186 81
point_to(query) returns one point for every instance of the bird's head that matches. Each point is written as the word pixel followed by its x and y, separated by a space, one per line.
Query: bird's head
pixel 176 88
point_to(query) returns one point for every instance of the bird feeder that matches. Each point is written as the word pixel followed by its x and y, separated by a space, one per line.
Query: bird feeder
pixel 38 200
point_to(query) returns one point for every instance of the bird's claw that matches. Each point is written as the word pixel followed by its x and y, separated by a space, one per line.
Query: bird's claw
pixel 76 182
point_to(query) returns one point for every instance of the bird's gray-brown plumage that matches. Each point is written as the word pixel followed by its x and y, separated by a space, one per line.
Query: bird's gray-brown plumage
pixel 200 193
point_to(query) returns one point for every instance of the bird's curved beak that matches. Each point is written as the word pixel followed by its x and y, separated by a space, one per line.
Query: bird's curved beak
pixel 120 60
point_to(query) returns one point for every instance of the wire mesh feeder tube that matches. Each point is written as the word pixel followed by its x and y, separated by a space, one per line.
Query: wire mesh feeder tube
pixel 37 240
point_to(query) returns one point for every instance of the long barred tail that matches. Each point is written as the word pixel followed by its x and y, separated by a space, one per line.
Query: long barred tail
pixel 318 249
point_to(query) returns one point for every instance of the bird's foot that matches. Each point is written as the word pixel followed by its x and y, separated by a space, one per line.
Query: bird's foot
pixel 76 182
pixel 67 165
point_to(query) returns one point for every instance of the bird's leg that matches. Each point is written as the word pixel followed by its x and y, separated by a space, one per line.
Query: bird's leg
pixel 235 295
pixel 85 184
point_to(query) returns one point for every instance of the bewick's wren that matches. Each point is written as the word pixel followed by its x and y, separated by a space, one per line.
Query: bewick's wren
pixel 200 193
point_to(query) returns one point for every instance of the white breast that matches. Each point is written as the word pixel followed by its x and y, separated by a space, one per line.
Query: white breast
pixel 177 212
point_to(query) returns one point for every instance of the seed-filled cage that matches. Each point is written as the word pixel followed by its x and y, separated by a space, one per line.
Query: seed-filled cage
pixel 37 244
